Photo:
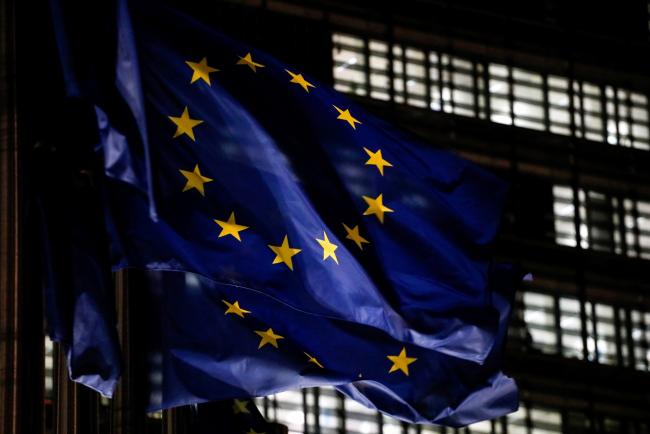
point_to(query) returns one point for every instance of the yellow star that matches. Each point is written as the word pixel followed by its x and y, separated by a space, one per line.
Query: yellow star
pixel 328 248
pixel 201 70
pixel 376 159
pixel 268 337
pixel 234 308
pixel 401 362
pixel 230 227
pixel 185 124
pixel 195 180
pixel 248 60
pixel 346 116
pixel 376 207
pixel 240 407
pixel 314 361
pixel 299 80
pixel 284 253
pixel 353 234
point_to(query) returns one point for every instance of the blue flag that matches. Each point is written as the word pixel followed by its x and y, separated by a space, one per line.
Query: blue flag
pixel 327 247
pixel 209 341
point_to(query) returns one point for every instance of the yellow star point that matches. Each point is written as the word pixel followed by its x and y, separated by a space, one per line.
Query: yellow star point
pixel 252 431
pixel 401 362
pixel 328 248
pixel 240 407
pixel 313 360
pixel 230 227
pixel 185 124
pixel 299 80
pixel 235 309
pixel 195 179
pixel 346 116
pixel 376 206
pixel 248 61
pixel 201 70
pixel 284 253
pixel 268 337
pixel 353 234
pixel 376 159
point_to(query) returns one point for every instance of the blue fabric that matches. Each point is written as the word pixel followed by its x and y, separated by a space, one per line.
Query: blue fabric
pixel 285 165
pixel 223 359
pixel 77 286
pixel 278 157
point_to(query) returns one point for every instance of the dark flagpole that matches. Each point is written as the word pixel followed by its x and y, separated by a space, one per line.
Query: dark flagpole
pixel 11 349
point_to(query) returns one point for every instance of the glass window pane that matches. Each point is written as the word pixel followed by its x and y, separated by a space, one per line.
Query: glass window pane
pixel 349 63
pixel 290 410
pixel 484 427
pixel 606 334
pixel 528 92
pixel 570 327
pixel 497 70
pixel 360 419
pixel 545 421
pixel 517 421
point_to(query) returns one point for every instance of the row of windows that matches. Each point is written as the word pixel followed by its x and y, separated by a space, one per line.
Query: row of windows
pixel 486 90
pixel 324 411
pixel 593 331
pixel 604 222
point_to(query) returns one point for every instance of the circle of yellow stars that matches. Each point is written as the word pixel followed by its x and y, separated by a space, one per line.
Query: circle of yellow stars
pixel 284 252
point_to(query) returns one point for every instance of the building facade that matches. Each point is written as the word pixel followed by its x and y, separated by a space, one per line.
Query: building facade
pixel 554 98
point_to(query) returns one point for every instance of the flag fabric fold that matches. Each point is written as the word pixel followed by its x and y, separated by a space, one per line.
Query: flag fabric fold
pixel 251 345
pixel 315 243
pixel 402 249
pixel 79 298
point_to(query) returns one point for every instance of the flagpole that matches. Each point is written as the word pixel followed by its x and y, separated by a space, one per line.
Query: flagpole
pixel 11 353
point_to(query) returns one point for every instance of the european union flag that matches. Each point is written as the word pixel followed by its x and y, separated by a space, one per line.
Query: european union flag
pixel 326 246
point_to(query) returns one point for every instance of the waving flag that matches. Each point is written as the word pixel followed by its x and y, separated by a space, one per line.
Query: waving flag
pixel 330 247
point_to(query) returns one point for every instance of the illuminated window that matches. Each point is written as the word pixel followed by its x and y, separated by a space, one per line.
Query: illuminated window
pixel 637 223
pixel 360 419
pixel 517 421
pixel 540 320
pixel 349 417
pixel 500 90
pixel 501 93
pixel 484 427
pixel 415 77
pixel 463 88
pixel 571 327
pixel 607 223
pixel 641 339
pixel 558 102
pixel 392 426
pixel 329 405
pixel 564 212
pixel 545 421
pixel 605 328
pixel 528 104
pixel 349 64
pixel 379 86
pixel 627 118
pixel 605 334
pixel 289 410
pixel 49 368
pixel 587 115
